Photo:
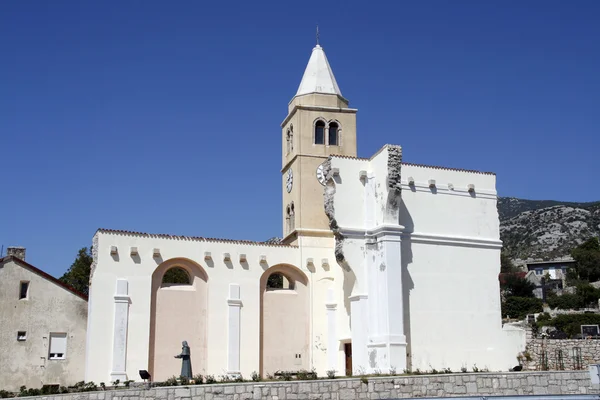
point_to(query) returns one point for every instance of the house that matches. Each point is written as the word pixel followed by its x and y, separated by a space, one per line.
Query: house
pixel 43 330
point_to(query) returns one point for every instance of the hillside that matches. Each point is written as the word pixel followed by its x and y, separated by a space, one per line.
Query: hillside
pixel 545 229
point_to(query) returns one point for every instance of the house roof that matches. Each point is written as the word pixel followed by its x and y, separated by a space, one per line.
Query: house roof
pixel 503 275
pixel 43 275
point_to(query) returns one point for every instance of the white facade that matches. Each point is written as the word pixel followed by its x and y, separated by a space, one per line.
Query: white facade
pixel 404 276
pixel 42 335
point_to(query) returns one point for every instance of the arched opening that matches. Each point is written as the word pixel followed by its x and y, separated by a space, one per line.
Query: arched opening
pixel 320 132
pixel 292 217
pixel 288 219
pixel 288 138
pixel 284 322
pixel 333 133
pixel 178 312
pixel 176 276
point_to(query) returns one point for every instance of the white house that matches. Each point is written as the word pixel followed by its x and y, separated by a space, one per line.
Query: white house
pixel 42 335
pixel 384 265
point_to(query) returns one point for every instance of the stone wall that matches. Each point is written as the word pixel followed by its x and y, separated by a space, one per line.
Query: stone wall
pixel 542 354
pixel 450 385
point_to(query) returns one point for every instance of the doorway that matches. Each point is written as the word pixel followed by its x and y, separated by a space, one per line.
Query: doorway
pixel 348 358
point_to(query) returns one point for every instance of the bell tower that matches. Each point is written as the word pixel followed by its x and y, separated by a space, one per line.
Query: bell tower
pixel 319 123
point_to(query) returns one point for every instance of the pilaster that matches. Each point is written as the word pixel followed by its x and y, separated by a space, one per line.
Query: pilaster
pixel 359 332
pixel 121 323
pixel 332 340
pixel 234 303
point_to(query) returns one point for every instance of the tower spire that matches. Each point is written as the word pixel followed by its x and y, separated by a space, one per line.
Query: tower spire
pixel 317 34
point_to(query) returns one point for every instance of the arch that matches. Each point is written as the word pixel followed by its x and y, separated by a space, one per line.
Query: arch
pixel 319 131
pixel 178 312
pixel 292 217
pixel 176 276
pixel 291 133
pixel 288 219
pixel 284 321
pixel 333 130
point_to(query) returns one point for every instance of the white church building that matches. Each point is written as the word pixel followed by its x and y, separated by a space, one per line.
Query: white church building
pixel 383 266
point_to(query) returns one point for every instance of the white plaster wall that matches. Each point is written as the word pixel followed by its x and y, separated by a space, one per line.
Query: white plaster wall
pixel 49 308
pixel 138 272
pixel 450 259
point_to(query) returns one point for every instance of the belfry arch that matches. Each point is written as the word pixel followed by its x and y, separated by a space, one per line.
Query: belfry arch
pixel 284 320
pixel 178 312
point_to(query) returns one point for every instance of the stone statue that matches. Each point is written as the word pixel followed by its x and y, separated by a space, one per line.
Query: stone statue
pixel 186 361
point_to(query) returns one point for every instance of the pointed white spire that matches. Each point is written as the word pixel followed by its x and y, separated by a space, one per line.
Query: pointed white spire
pixel 318 76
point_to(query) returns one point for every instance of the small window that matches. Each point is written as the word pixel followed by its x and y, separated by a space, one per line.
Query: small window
pixel 176 276
pixel 539 271
pixel 58 346
pixel 277 281
pixel 21 336
pixel 333 134
pixel 24 290
pixel 320 132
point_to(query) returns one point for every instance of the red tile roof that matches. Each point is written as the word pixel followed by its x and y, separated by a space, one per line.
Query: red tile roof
pixel 194 238
pixel 44 275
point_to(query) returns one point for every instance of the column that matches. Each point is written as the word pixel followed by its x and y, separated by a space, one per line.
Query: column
pixel 359 332
pixel 233 344
pixel 122 300
pixel 332 340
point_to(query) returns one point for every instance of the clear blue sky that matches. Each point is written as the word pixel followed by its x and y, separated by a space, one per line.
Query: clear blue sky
pixel 164 116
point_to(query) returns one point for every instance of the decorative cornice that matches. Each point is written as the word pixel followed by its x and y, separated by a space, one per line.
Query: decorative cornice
pixel 317 108
pixel 360 296
pixel 234 302
pixel 445 190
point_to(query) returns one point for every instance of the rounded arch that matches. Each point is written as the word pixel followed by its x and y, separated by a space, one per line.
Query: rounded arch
pixel 284 321
pixel 334 130
pixel 319 127
pixel 177 313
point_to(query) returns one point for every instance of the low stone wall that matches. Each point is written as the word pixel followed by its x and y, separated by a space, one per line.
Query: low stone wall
pixel 450 385
pixel 542 354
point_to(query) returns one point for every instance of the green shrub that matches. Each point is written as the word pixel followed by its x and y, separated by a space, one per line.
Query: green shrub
pixel 571 323
pixel 256 377
pixel 565 302
pixel 519 307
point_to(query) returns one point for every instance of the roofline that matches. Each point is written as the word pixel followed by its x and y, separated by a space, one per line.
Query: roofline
pixel 44 275
pixel 194 238
pixel 551 262
pixel 415 165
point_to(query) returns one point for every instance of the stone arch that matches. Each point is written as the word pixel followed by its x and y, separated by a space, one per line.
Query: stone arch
pixel 338 133
pixel 284 321
pixel 178 312
pixel 319 131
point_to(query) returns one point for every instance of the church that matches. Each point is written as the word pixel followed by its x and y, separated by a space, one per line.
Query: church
pixel 384 266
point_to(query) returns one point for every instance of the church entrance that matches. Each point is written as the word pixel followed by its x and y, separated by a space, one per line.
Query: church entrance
pixel 348 358
pixel 178 313
pixel 284 320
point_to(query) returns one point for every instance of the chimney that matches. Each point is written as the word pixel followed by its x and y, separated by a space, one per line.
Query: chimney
pixel 18 252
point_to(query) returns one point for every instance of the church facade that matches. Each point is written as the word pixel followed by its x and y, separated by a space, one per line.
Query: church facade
pixel 383 266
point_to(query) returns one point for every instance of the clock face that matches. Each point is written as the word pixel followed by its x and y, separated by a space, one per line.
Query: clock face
pixel 320 175
pixel 289 182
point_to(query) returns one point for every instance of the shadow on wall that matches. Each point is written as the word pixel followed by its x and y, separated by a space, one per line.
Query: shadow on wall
pixel 405 219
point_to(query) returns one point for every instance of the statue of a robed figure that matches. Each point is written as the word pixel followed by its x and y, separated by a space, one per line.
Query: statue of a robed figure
pixel 186 361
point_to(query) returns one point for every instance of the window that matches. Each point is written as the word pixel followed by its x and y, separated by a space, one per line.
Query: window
pixel 58 346
pixel 333 134
pixel 176 276
pixel 320 132
pixel 278 281
pixel 288 221
pixel 24 290
pixel 539 271
pixel 21 336
pixel 292 217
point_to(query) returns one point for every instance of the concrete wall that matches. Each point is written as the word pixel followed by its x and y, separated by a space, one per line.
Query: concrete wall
pixel 48 308
pixel 451 385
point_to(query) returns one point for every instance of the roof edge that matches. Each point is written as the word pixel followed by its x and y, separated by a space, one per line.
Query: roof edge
pixel 44 275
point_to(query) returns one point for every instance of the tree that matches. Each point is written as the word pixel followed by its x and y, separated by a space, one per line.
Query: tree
pixel 506 264
pixel 78 276
pixel 587 260
pixel 514 285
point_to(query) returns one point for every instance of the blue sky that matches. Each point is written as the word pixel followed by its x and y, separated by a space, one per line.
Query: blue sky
pixel 164 116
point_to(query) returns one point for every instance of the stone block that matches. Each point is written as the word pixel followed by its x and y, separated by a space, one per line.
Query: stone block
pixel 229 390
pixel 347 394
pixel 471 387
pixel 540 390
pixel 373 396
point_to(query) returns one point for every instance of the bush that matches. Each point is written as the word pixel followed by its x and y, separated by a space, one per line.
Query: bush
pixel 571 323
pixel 519 307
pixel 565 302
